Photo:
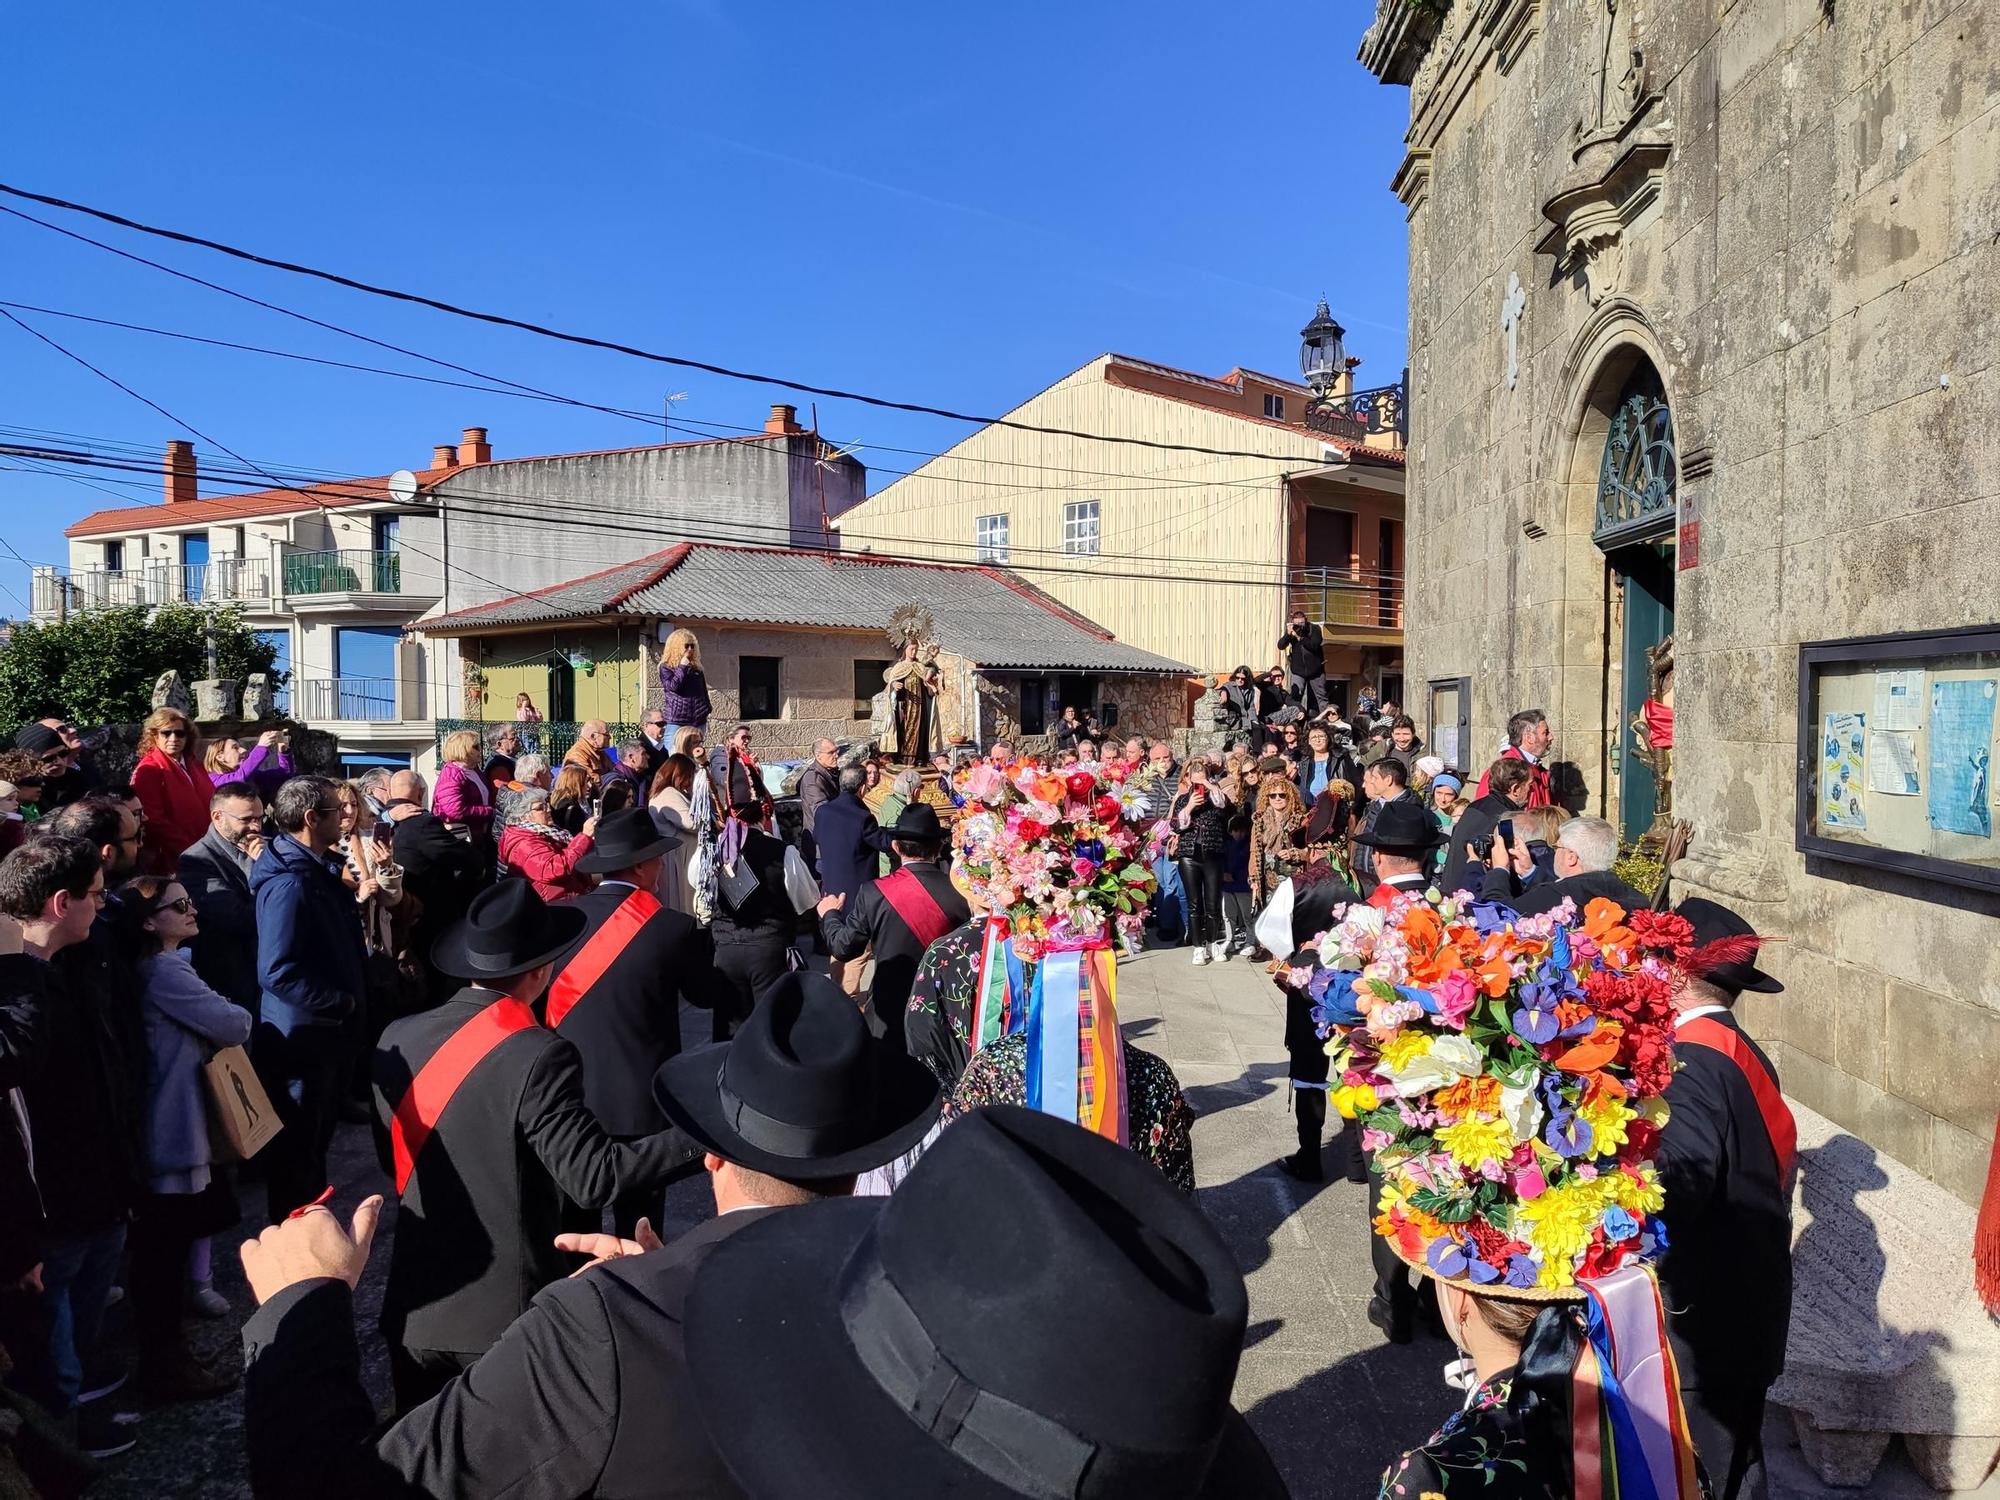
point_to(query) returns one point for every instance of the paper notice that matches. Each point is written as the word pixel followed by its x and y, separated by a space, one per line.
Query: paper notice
pixel 1899 698
pixel 1892 762
pixel 1843 754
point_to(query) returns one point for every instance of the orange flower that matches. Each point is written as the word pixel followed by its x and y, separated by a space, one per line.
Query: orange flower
pixel 1050 789
pixel 1601 1086
pixel 1603 920
pixel 1595 1050
pixel 1469 1097
pixel 1495 975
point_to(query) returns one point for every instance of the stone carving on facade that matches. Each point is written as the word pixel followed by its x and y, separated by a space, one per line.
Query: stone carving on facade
pixel 1618 75
pixel 215 699
pixel 259 701
pixel 170 692
pixel 1511 307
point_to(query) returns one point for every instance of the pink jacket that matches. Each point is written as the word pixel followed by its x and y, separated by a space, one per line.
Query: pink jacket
pixel 461 797
pixel 550 867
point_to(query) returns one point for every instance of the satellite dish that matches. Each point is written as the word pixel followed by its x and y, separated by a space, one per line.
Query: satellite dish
pixel 403 486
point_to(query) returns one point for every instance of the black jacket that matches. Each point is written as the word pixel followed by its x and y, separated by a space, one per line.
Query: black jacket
pixel 1207 830
pixel 1364 854
pixel 1305 650
pixel 869 918
pixel 629 1022
pixel 848 839
pixel 475 1234
pixel 1582 888
pixel 442 871
pixel 87 1100
pixel 765 913
pixel 587 1394
pixel 818 785
pixel 1474 832
pixel 1727 1275
pixel 23 1026
pixel 225 952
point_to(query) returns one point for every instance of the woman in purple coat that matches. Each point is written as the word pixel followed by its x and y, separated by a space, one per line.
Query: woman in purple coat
pixel 266 766
pixel 683 690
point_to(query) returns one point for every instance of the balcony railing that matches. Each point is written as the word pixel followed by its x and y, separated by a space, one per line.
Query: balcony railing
pixel 1343 598
pixel 56 592
pixel 343 572
pixel 349 699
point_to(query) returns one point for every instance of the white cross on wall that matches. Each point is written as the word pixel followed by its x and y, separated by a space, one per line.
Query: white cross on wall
pixel 1511 309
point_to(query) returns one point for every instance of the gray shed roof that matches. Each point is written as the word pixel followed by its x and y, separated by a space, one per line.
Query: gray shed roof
pixel 985 614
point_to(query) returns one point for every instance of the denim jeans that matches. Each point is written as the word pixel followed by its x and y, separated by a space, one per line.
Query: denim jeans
pixel 1169 902
pixel 77 1273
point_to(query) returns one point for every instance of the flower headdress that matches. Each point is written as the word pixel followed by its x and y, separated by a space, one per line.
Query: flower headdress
pixel 1507 1072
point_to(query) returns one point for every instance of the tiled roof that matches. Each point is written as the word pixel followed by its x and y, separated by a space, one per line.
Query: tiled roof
pixel 985 614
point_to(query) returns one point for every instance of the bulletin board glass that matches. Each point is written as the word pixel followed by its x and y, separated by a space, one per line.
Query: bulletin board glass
pixel 1449 728
pixel 1898 738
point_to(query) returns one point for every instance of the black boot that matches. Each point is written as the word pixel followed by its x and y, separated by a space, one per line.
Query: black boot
pixel 1310 1106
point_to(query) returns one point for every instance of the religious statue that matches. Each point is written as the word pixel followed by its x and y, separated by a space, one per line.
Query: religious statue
pixel 1653 729
pixel 1618 73
pixel 911 735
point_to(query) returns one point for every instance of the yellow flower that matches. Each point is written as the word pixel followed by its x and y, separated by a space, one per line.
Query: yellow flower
pixel 1352 1099
pixel 1608 1118
pixel 1404 1048
pixel 1559 1222
pixel 1472 1143
pixel 1643 1197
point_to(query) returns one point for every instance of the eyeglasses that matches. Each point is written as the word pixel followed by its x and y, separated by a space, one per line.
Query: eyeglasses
pixel 98 895
pixel 181 904
pixel 656 723
pixel 329 812
pixel 170 734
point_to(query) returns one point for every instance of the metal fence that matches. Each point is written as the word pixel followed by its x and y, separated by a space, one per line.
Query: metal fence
pixel 1336 596
pixel 349 699
pixel 551 738
pixel 344 572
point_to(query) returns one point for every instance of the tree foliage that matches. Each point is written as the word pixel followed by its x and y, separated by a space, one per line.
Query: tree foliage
pixel 99 667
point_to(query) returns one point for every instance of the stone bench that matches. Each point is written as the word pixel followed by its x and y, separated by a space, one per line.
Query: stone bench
pixel 1888 1337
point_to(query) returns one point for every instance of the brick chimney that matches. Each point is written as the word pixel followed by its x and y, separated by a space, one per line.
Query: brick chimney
pixel 179 472
pixel 444 456
pixel 473 447
pixel 783 419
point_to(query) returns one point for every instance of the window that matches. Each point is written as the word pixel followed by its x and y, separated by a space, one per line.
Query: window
pixel 386 528
pixel 757 684
pixel 364 669
pixel 989 539
pixel 868 681
pixel 194 567
pixel 1079 533
pixel 1274 407
pixel 114 557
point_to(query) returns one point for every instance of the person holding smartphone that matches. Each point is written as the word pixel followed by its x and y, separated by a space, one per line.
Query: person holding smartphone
pixel 1508 785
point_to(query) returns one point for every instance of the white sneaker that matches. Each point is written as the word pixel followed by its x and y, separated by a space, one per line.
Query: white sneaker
pixel 1221 953
pixel 1200 954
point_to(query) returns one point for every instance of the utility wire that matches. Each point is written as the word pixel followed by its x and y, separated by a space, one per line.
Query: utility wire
pixel 501 320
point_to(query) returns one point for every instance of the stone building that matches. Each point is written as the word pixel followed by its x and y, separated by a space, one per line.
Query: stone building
pixel 1702 325
pixel 793 644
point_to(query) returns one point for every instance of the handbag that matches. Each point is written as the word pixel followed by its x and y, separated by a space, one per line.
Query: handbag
pixel 244 1117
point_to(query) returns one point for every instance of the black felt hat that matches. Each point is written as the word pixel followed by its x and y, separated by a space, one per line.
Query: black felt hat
pixel 1033 1312
pixel 508 929
pixel 1403 827
pixel 626 838
pixel 803 1091
pixel 1718 935
pixel 918 823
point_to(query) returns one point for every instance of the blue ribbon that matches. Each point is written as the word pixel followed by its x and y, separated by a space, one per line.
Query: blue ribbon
pixel 1631 1477
pixel 1017 989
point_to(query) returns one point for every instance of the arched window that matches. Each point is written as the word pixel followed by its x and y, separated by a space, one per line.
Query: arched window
pixel 1637 479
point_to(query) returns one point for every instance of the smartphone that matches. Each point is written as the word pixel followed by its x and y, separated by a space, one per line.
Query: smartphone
pixel 385 831
pixel 1506 832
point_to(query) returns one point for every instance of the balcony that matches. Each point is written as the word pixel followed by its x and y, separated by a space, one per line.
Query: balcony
pixel 1348 599
pixel 345 700
pixel 343 572
pixel 58 592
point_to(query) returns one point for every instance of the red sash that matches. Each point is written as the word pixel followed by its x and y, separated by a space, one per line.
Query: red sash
pixel 916 906
pixel 597 955
pixel 1706 1031
pixel 437 1080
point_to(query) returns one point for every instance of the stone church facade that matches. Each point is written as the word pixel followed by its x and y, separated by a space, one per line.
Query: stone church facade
pixel 1702 323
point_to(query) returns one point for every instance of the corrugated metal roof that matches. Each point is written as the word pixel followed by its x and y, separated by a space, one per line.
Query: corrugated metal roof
pixel 983 614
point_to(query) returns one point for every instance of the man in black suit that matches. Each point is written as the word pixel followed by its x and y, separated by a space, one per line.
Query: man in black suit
pixel 443 871
pixel 1586 849
pixel 616 993
pixel 588 1393
pixel 1725 1161
pixel 849 838
pixel 484 1126
pixel 1508 783
pixel 1303 646
pixel 896 917
pixel 215 871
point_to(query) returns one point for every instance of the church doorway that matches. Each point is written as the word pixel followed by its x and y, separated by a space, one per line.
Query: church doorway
pixel 1637 492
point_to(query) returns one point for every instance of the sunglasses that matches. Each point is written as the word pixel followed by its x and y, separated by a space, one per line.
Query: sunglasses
pixel 181 904
pixel 170 734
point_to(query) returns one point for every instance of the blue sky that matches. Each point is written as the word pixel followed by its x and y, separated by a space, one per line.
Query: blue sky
pixel 947 204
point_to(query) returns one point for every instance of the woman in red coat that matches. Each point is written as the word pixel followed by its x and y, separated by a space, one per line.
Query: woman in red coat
pixel 172 787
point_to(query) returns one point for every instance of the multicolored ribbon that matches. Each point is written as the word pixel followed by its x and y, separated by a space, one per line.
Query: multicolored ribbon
pixel 999 1004
pixel 1629 1433
pixel 1076 1056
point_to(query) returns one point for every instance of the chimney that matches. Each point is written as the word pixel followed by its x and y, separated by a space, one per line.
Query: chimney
pixel 473 447
pixel 783 419
pixel 179 471
pixel 444 456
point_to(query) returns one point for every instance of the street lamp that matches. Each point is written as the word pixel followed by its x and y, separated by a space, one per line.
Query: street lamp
pixel 1322 357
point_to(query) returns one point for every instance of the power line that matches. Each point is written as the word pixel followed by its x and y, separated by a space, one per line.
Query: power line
pixel 501 320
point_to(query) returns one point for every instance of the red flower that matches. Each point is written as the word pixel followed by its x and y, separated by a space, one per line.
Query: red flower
pixel 1106 811
pixel 1028 830
pixel 1663 932
pixel 1081 784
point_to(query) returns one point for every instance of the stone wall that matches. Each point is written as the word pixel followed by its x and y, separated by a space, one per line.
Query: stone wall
pixel 1792 211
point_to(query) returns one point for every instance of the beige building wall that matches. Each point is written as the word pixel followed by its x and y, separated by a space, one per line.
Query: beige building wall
pixel 1814 283
pixel 1192 547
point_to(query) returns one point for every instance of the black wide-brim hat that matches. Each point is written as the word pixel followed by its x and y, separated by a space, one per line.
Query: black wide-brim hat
pixel 803 1091
pixel 1034 1311
pixel 626 838
pixel 1403 828
pixel 917 823
pixel 1715 923
pixel 507 930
